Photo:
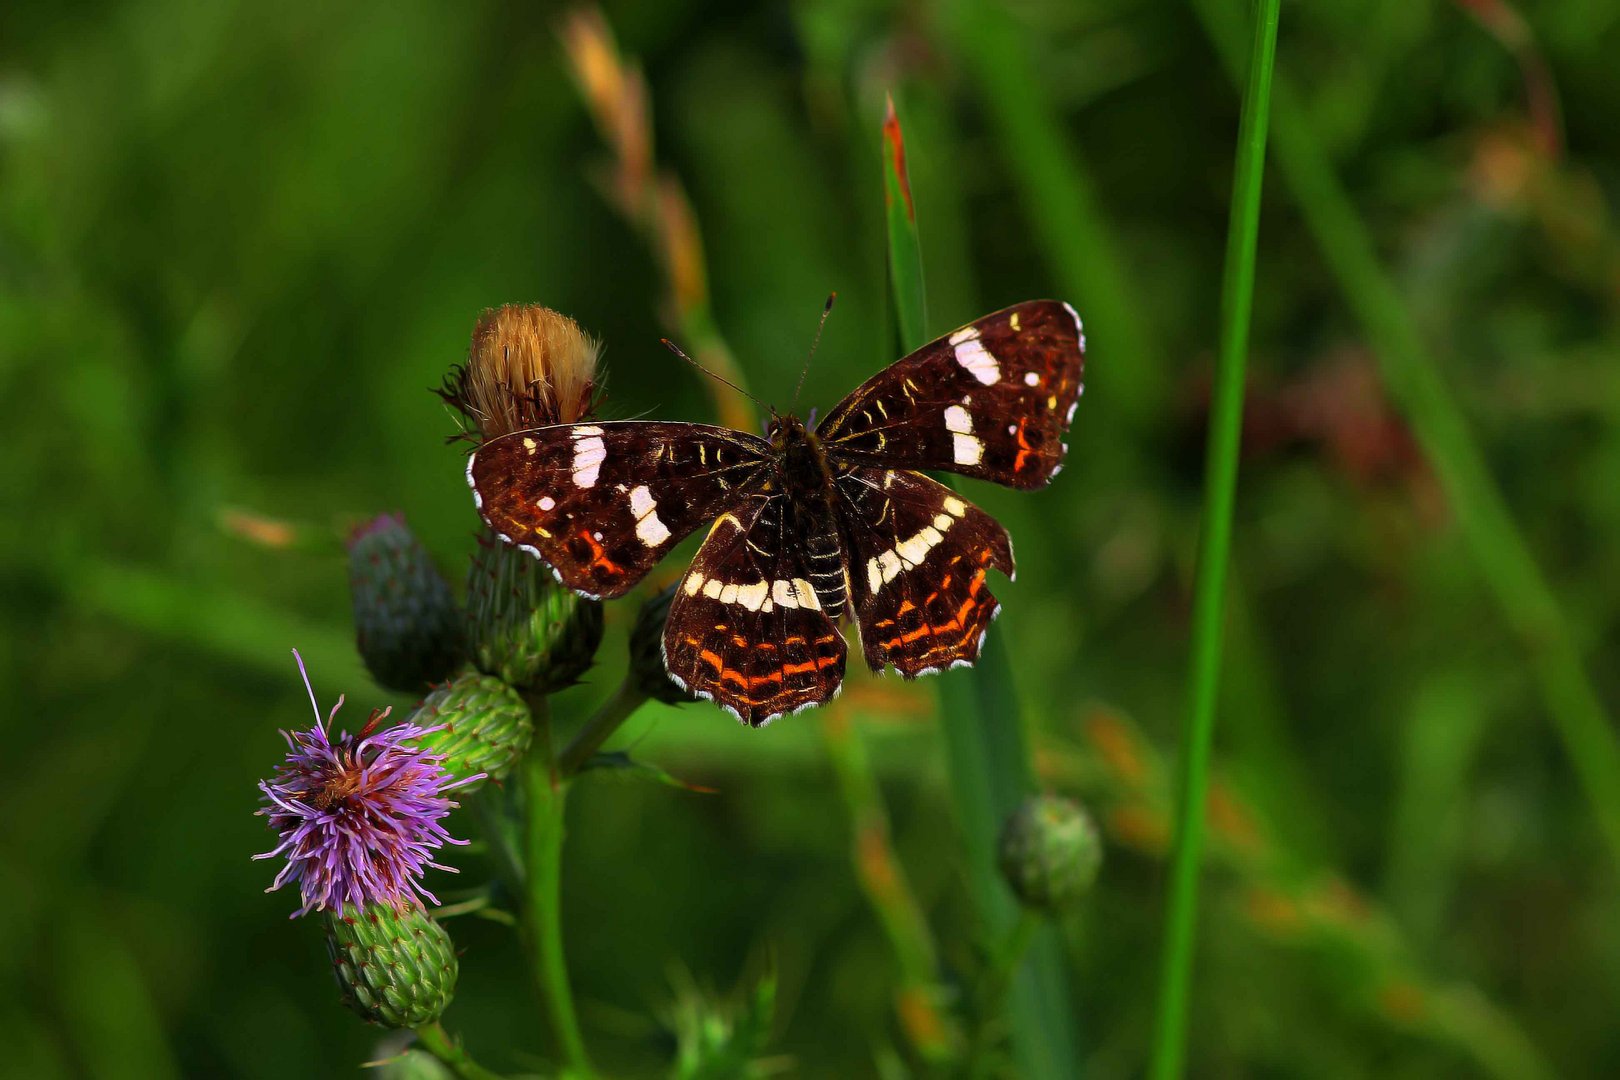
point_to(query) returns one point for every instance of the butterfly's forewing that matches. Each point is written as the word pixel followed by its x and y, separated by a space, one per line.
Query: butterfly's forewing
pixel 918 555
pixel 746 629
pixel 991 400
pixel 603 502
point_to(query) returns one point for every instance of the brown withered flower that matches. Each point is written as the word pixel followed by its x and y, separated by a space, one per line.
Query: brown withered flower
pixel 528 366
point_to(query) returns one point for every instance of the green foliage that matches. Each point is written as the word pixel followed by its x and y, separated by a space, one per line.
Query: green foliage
pixel 239 242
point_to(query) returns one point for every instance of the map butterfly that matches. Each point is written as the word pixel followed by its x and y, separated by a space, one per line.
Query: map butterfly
pixel 809 526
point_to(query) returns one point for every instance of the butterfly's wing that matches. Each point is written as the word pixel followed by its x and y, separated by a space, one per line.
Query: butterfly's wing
pixel 746 629
pixel 917 563
pixel 991 400
pixel 603 502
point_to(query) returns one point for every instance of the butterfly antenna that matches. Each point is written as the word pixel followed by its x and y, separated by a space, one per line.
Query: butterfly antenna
pixel 825 311
pixel 676 349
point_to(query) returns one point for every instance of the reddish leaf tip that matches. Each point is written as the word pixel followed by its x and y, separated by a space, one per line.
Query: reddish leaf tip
pixel 897 153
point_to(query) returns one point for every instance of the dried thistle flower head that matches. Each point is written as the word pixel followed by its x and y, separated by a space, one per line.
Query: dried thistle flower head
pixel 358 816
pixel 528 367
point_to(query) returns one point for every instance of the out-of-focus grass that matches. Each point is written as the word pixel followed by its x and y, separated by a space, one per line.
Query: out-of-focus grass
pixel 238 244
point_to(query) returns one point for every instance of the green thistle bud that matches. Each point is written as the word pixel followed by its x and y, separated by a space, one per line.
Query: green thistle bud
pixel 394 966
pixel 647 651
pixel 1050 852
pixel 406 622
pixel 525 628
pixel 482 725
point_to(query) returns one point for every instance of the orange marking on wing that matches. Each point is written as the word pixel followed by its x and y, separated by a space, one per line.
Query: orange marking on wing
pixel 738 639
pixel 599 554
pixel 1024 449
pixel 711 657
pixel 905 606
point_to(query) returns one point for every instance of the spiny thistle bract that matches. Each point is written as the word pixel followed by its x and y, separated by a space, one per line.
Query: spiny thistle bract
pixel 523 627
pixel 1050 852
pixel 527 367
pixel 358 815
pixel 477 725
pixel 407 625
pixel 395 965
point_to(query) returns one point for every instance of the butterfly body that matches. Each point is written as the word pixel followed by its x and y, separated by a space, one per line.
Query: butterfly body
pixel 807 525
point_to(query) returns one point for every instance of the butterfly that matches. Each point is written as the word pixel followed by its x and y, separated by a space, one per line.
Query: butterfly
pixel 808 525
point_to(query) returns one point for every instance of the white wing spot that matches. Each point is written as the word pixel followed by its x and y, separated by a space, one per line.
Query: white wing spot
pixel 589 453
pixel 752 596
pixel 529 445
pixel 973 356
pixel 694 582
pixel 955 507
pixel 958 420
pixel 967 450
pixel 711 589
pixel 649 529
pixel 546 503
pixel 1032 379
pixel 1013 322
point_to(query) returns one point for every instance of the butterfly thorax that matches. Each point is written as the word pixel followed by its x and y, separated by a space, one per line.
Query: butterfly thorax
pixel 801 462
pixel 806 477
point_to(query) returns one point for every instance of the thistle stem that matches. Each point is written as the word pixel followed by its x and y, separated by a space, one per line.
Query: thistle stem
pixel 436 1041
pixel 998 978
pixel 600 727
pixel 546 796
pixel 1214 549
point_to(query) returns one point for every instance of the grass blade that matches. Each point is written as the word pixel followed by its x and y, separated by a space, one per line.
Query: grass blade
pixel 987 752
pixel 1214 548
pixel 1504 558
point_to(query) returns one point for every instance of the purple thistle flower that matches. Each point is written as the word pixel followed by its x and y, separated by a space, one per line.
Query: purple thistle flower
pixel 358 815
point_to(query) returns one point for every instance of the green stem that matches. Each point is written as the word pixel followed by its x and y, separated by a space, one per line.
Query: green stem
pixel 999 972
pixel 546 796
pixel 600 727
pixel 1215 542
pixel 883 880
pixel 433 1038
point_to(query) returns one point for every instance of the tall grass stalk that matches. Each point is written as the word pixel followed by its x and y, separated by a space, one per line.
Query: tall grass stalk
pixel 1505 561
pixel 1214 548
pixel 987 752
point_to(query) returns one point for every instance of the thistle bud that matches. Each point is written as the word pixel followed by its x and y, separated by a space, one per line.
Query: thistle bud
pixel 647 666
pixel 476 725
pixel 1050 852
pixel 394 965
pixel 407 625
pixel 528 367
pixel 523 627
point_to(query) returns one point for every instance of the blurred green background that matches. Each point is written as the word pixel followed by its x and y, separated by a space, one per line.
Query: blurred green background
pixel 239 243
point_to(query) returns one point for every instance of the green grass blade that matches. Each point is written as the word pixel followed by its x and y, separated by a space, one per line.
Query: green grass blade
pixel 1214 548
pixel 987 753
pixel 1503 556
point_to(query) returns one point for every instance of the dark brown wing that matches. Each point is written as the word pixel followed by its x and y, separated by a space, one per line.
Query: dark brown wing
pixel 991 400
pixel 746 629
pixel 603 502
pixel 918 557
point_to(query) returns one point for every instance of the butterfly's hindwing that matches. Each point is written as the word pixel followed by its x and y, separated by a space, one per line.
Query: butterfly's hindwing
pixel 604 502
pixel 918 558
pixel 746 628
pixel 991 400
